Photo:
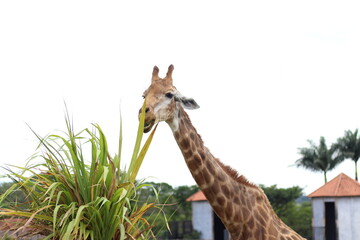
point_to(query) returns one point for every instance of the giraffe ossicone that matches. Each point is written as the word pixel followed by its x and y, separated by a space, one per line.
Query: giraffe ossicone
pixel 242 206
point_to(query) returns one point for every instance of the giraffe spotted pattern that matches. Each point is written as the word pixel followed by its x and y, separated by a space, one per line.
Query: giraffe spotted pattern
pixel 242 206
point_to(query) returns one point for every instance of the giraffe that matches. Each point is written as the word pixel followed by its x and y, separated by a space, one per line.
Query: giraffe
pixel 242 206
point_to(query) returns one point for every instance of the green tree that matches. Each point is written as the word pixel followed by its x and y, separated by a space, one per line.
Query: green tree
pixel 349 146
pixel 319 157
pixel 280 197
pixel 15 196
pixel 171 200
pixel 181 193
pixel 296 215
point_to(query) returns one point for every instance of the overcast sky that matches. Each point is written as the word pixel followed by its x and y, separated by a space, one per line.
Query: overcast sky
pixel 268 75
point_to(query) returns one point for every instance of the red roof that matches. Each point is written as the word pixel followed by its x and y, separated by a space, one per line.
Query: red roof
pixel 340 186
pixel 198 196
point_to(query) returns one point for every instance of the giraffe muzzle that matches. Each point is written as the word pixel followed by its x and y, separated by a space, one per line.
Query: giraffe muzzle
pixel 148 125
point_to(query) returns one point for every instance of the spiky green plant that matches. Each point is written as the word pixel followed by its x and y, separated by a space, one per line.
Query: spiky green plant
pixel 72 197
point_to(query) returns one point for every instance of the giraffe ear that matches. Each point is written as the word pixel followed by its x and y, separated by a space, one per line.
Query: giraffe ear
pixel 169 74
pixel 187 103
pixel 155 74
pixel 170 70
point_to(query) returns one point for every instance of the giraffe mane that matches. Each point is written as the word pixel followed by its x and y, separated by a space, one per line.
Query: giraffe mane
pixel 229 170
pixel 235 175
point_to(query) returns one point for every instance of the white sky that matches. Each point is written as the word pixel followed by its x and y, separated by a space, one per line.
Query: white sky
pixel 268 75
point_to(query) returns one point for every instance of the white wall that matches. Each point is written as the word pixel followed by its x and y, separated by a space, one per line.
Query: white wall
pixel 348 217
pixel 318 222
pixel 348 210
pixel 203 219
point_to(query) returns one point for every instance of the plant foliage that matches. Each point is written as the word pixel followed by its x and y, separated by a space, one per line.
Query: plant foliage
pixel 72 195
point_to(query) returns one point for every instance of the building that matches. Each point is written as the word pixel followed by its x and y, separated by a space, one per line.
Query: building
pixel 336 210
pixel 205 220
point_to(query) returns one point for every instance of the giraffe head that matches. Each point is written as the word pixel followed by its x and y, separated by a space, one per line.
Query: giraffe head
pixel 163 100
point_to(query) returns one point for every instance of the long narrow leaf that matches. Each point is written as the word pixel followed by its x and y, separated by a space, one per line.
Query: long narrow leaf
pixel 140 133
pixel 141 156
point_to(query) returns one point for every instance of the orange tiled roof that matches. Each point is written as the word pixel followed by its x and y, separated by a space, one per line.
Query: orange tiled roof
pixel 198 196
pixel 340 186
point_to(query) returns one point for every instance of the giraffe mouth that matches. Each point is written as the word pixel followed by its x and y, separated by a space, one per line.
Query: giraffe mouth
pixel 148 125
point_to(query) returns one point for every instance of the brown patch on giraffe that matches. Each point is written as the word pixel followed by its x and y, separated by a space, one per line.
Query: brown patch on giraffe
pixel 185 126
pixel 272 230
pixel 245 212
pixel 192 136
pixel 245 235
pixel 207 191
pixel 232 227
pixel 185 144
pixel 225 189
pixel 220 200
pixel 237 217
pixel 218 210
pixel 248 204
pixel 235 189
pixel 197 158
pixel 216 187
pixel 221 176
pixel 259 232
pixel 202 154
pixel 242 198
pixel 198 142
pixel 262 212
pixel 200 181
pixel 284 231
pixel 252 201
pixel 207 177
pixel 259 198
pixel 187 154
pixel 229 212
pixel 193 165
pixel 257 216
pixel 260 219
pixel 251 223
pixel 193 146
pixel 236 200
pixel 177 135
pixel 210 168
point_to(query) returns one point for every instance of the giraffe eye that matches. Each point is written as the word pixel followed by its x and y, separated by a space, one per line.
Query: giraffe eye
pixel 169 95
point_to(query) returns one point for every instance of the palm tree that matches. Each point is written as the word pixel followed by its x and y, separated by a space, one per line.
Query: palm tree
pixel 319 158
pixel 349 146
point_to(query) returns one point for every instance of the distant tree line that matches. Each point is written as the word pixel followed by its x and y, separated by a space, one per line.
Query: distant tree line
pixel 323 158
pixel 296 214
pixel 172 202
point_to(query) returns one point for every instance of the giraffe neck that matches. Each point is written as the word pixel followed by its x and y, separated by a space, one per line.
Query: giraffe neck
pixel 232 197
pixel 205 168
pixel 217 182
